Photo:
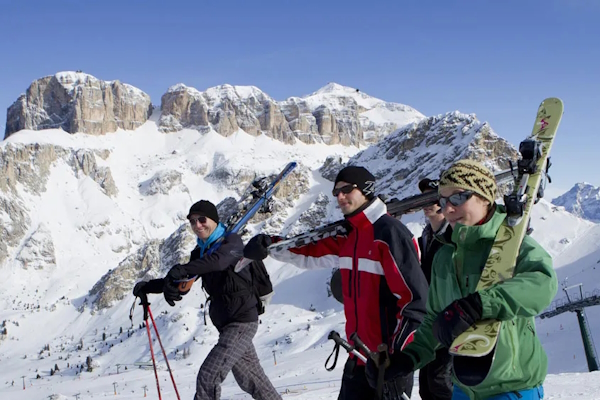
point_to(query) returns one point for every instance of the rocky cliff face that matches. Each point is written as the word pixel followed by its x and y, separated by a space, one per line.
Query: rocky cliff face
pixel 78 102
pixel 224 108
pixel 333 115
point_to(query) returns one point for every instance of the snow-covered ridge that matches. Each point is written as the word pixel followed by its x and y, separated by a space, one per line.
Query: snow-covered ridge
pixel 334 114
pixel 426 148
pixel 583 200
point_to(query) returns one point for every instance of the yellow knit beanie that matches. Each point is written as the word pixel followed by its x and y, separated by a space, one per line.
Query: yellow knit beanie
pixel 470 175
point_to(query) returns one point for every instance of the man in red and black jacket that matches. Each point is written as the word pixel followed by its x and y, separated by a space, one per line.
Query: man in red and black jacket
pixel 383 286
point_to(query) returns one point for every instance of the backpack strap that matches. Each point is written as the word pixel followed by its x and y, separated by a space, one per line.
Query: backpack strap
pixel 206 303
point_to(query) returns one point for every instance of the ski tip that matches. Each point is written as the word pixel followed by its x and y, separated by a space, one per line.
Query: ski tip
pixel 552 101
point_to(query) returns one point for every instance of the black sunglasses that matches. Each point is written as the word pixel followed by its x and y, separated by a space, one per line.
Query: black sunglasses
pixel 344 189
pixel 201 219
pixel 457 199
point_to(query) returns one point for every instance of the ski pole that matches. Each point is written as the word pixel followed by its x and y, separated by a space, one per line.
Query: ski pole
pixel 147 312
pixel 163 350
pixel 145 305
pixel 382 360
pixel 333 335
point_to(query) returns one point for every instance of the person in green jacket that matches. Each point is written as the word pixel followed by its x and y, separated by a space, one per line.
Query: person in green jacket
pixel 467 193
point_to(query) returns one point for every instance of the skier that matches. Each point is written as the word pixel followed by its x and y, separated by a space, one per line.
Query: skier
pixel 384 289
pixel 233 307
pixel 435 381
pixel 467 193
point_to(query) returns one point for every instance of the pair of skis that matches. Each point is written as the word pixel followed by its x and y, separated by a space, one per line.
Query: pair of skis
pixel 396 208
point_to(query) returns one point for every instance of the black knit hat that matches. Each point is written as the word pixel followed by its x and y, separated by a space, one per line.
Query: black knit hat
pixel 428 184
pixel 205 208
pixel 363 179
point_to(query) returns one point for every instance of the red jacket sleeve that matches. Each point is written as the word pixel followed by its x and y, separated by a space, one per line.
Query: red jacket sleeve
pixel 321 254
pixel 402 270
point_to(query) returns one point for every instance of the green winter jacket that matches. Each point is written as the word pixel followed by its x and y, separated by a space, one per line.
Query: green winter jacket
pixel 520 362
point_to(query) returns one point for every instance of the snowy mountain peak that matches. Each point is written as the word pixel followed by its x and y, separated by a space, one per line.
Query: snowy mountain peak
pixel 338 97
pixel 236 92
pixel 214 95
pixel 335 88
pixel 582 200
pixel 70 79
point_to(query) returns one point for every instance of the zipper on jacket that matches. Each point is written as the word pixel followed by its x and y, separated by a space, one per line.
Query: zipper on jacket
pixel 512 344
pixel 530 328
pixel 355 264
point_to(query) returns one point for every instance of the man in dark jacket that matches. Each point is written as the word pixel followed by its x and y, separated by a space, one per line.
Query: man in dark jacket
pixel 383 287
pixel 435 381
pixel 233 307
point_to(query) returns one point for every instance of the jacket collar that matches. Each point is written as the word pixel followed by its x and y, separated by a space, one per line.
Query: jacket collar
pixel 368 214
pixel 467 235
pixel 217 233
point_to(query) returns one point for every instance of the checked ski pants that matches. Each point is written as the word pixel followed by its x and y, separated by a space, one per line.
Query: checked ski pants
pixel 234 352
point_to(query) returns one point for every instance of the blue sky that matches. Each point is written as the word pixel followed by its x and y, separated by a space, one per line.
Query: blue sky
pixel 495 59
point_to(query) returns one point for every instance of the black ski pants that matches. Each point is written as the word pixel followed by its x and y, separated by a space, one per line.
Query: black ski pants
pixel 435 381
pixel 234 352
pixel 356 387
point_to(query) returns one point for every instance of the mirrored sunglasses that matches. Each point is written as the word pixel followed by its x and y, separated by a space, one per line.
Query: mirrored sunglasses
pixel 344 189
pixel 457 199
pixel 201 219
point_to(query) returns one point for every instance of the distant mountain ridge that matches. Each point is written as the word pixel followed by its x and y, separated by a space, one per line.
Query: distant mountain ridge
pixel 79 102
pixel 583 200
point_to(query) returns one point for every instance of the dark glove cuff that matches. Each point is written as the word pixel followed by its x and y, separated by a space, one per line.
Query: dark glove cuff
pixel 154 286
pixel 474 300
pixel 401 364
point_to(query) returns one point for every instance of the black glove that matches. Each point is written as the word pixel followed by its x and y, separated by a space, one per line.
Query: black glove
pixel 256 249
pixel 400 366
pixel 457 318
pixel 145 287
pixel 171 292
pixel 171 286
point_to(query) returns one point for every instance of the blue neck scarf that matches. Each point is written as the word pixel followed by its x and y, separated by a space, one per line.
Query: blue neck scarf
pixel 205 244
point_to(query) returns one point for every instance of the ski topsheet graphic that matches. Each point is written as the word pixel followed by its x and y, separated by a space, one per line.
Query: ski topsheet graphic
pixel 474 350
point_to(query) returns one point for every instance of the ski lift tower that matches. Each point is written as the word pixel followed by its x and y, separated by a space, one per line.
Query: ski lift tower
pixel 577 303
